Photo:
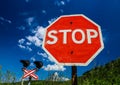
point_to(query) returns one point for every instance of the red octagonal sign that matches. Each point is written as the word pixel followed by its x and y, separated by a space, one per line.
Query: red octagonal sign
pixel 73 40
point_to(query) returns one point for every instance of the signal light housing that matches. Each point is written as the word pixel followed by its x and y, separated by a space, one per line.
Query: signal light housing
pixel 25 63
pixel 38 64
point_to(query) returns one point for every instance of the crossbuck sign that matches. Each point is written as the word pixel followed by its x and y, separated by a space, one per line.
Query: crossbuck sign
pixel 30 73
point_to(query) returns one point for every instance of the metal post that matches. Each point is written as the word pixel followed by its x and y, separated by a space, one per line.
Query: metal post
pixel 29 82
pixel 22 81
pixel 74 75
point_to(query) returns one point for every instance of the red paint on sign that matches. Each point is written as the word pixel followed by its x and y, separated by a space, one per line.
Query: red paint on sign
pixel 73 40
pixel 28 73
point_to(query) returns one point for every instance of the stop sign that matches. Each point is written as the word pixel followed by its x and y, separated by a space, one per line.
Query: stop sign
pixel 73 40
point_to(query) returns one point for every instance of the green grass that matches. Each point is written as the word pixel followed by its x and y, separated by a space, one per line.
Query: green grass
pixel 103 75
pixel 108 74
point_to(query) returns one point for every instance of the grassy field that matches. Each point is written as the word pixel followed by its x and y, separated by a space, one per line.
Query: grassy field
pixel 108 74
pixel 103 75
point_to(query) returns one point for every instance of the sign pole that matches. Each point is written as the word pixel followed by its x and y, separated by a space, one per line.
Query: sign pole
pixel 22 81
pixel 29 80
pixel 74 75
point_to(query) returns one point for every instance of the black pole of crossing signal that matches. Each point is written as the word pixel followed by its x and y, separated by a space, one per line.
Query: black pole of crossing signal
pixel 74 75
pixel 29 82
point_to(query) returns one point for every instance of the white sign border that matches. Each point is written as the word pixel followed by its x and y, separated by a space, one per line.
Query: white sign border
pixel 75 64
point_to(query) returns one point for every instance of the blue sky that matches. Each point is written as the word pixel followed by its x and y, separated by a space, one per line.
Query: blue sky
pixel 22 24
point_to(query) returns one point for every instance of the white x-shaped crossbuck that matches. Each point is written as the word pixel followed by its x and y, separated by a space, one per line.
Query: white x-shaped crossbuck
pixel 30 73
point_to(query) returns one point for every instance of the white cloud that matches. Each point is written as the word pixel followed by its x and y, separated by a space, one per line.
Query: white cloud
pixel 21 28
pixel 25 47
pixel 28 48
pixel 68 0
pixel 54 67
pixel 50 59
pixel 40 32
pixel 51 20
pixel 42 54
pixel 21 41
pixel 32 64
pixel 27 1
pixel 35 40
pixel 59 3
pixel 28 43
pixel 62 2
pixel 21 46
pixel 56 77
pixel 43 59
pixel 56 74
pixel 33 59
pixel 38 36
pixel 5 20
pixel 44 11
pixel 65 79
pixel 30 20
pixel 61 10
pixel 46 56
